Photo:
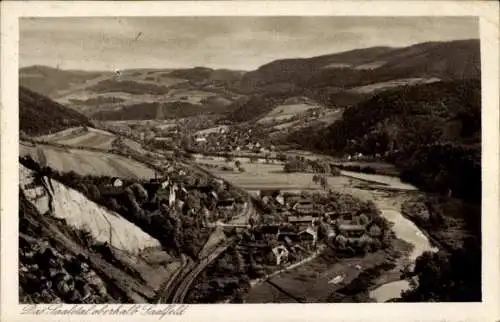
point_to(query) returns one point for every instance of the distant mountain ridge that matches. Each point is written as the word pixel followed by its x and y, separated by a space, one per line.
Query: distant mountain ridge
pixel 338 80
pixel 345 79
pixel 445 60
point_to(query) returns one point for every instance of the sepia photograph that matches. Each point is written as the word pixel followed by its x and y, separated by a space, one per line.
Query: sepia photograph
pixel 250 159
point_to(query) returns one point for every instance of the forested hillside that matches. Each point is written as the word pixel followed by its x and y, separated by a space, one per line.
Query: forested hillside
pixel 432 132
pixel 40 115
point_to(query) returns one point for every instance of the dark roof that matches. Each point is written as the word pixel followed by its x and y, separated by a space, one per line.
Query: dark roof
pixel 225 202
pixel 202 188
pixel 269 229
pixel 303 201
pixel 270 192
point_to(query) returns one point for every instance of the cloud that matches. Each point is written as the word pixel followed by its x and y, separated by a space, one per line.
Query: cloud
pixel 225 42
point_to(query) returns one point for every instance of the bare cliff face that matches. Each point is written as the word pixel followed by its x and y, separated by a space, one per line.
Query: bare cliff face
pixel 73 250
pixel 80 213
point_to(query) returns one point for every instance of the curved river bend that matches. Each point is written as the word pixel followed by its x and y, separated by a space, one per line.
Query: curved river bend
pixel 406 230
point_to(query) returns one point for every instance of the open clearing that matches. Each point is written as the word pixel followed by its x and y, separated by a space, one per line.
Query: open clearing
pixel 86 162
pixel 393 83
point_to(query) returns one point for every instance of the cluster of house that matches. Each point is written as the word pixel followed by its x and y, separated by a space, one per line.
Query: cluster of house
pixel 299 231
pixel 172 192
pixel 233 140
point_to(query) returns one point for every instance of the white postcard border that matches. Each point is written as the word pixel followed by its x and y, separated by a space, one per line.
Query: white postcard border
pixel 488 310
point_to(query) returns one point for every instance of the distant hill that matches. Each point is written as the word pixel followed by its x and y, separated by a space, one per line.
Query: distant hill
pixel 105 93
pixel 335 81
pixel 445 60
pixel 151 111
pixel 40 115
pixel 50 81
pixel 127 86
pixel 199 74
pixel 345 79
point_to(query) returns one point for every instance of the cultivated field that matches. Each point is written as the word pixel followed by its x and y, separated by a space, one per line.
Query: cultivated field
pixel 313 281
pixel 284 112
pixel 190 96
pixel 79 137
pixel 86 162
pixel 260 175
pixel 215 129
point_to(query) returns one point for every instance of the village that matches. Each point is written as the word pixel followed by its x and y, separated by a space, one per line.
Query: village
pixel 297 226
pixel 290 227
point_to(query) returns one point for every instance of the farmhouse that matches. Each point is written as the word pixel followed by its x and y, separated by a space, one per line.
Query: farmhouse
pixel 113 189
pixel 374 230
pixel 301 220
pixel 308 235
pixel 351 231
pixel 200 139
pixel 116 182
pixel 226 203
pixel 304 206
pixel 281 254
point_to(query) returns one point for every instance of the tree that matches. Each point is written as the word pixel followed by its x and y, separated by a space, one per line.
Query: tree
pixel 228 158
pixel 281 157
pixel 268 157
pixel 448 277
pixel 324 182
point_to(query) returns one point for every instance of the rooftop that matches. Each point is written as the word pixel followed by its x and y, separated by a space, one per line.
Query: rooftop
pixel 349 227
pixel 300 218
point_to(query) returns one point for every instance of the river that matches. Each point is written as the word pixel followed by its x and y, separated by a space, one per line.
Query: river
pixel 389 205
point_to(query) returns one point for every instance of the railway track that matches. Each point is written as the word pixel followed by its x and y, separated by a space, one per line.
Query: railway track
pixel 188 278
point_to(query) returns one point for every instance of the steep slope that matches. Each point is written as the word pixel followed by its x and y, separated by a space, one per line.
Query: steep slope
pixel 40 115
pixel 75 251
pixel 410 115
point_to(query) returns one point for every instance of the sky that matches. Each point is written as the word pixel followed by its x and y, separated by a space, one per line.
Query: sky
pixel 241 43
